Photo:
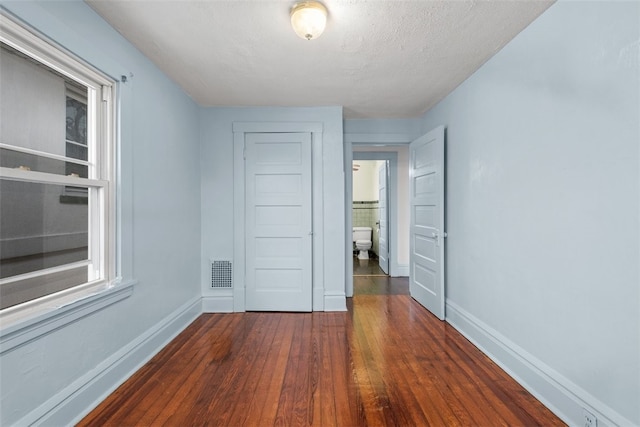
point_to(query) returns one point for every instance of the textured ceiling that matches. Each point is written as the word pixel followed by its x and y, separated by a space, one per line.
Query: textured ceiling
pixel 377 58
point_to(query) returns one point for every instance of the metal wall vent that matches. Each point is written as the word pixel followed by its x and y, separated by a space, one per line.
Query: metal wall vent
pixel 221 275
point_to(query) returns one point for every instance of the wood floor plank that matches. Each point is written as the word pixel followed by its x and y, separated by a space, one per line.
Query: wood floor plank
pixel 343 391
pixel 268 394
pixel 225 388
pixel 385 362
pixel 295 379
pixel 180 398
pixel 493 393
pixel 252 395
pixel 388 359
pixel 139 393
pixel 368 378
pixel 324 409
pixel 433 409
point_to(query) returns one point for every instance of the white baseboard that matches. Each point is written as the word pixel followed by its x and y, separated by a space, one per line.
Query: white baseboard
pixel 217 304
pixel 401 270
pixel 563 397
pixel 75 401
pixel 318 299
pixel 335 302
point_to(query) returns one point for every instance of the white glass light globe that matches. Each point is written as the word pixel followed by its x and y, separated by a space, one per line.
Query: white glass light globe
pixel 308 19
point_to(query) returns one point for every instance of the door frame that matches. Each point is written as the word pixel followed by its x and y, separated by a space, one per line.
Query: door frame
pixel 372 140
pixel 240 129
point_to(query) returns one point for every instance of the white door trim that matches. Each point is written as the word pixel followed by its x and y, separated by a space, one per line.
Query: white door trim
pixel 392 201
pixel 351 140
pixel 239 131
pixel 362 139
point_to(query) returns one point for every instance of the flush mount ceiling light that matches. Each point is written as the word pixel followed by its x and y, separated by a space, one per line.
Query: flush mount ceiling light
pixel 308 19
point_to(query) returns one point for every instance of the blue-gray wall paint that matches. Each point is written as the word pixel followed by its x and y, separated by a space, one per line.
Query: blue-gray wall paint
pixel 161 212
pixel 383 126
pixel 217 163
pixel 543 198
pixel 542 207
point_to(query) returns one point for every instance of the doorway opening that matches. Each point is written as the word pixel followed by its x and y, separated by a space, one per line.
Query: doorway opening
pixel 371 229
pixel 372 153
pixel 370 218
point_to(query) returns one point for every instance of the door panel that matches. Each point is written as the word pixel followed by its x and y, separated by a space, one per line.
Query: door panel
pixel 278 221
pixel 427 242
pixel 383 215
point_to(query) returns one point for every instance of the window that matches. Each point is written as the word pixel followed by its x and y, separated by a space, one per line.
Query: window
pixel 57 201
pixel 75 141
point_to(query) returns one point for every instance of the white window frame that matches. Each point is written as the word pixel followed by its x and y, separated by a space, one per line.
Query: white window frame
pixel 101 180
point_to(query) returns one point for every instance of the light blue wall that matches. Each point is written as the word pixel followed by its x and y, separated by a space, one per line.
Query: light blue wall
pixel 543 187
pixel 161 214
pixel 543 200
pixel 217 187
pixel 383 126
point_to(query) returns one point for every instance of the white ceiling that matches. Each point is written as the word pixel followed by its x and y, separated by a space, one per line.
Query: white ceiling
pixel 377 58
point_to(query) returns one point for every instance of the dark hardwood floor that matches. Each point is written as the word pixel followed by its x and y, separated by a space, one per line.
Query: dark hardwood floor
pixel 385 362
pixel 367 267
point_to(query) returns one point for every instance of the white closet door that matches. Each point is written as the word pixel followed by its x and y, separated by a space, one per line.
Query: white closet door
pixel 278 222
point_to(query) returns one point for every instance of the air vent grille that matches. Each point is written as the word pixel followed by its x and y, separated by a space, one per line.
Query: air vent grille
pixel 221 275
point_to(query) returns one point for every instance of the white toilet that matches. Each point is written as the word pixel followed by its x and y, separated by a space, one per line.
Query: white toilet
pixel 362 239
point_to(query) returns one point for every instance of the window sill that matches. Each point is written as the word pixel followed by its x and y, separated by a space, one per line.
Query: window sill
pixel 30 329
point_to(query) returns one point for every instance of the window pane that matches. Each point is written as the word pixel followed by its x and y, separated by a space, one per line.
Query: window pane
pixel 16 159
pixel 40 228
pixel 26 290
pixel 56 119
pixel 76 120
pixel 40 108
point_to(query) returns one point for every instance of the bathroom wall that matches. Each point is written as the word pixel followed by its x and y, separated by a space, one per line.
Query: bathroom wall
pixel 55 377
pixel 543 185
pixel 365 181
pixel 366 212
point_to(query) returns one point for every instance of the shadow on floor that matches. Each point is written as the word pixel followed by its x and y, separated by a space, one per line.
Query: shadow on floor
pixel 369 279
pixel 367 267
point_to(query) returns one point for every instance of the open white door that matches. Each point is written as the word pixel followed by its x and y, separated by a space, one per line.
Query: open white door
pixel 383 218
pixel 278 235
pixel 427 233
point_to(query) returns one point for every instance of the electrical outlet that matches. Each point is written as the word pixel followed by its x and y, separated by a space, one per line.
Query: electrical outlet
pixel 590 420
